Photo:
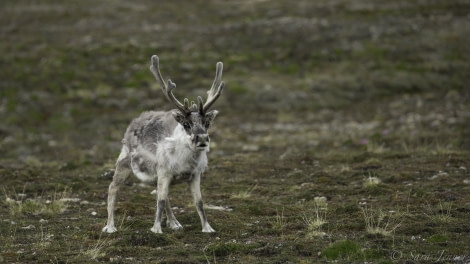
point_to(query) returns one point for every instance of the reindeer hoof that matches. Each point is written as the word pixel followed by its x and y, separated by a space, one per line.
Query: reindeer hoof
pixel 156 230
pixel 175 225
pixel 208 229
pixel 109 229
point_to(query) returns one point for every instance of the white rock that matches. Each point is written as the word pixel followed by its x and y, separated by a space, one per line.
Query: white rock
pixel 73 200
pixel 219 208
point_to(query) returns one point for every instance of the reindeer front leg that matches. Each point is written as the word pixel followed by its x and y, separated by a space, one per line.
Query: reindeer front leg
pixel 196 192
pixel 162 200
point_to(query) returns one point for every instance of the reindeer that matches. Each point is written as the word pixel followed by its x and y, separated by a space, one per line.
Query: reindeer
pixel 166 148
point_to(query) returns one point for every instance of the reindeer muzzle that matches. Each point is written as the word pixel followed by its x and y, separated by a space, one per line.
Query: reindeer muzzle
pixel 202 140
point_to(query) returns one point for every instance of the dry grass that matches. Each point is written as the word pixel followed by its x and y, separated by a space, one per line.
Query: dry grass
pixel 379 222
pixel 98 249
pixel 372 181
pixel 20 204
pixel 244 194
pixel 315 217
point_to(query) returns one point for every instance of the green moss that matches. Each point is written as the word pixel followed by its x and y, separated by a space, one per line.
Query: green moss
pixel 372 254
pixel 225 249
pixel 438 238
pixel 341 250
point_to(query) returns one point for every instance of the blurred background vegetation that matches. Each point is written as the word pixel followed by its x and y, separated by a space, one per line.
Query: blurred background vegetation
pixel 74 73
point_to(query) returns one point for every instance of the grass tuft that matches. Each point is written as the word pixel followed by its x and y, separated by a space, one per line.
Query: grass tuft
pixel 280 221
pixel 245 194
pixel 380 222
pixel 20 205
pixel 97 250
pixel 315 218
pixel 445 210
pixel 372 182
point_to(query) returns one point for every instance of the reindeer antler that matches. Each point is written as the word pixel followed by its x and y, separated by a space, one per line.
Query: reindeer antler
pixel 212 94
pixel 168 89
pixel 216 89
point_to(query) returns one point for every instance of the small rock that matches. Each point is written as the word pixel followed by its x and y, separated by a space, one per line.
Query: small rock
pixel 94 213
pixel 219 208
pixel 250 148
pixel 30 227
pixel 440 174
pixel 10 201
pixel 108 174
pixel 52 143
pixel 43 221
pixel 72 200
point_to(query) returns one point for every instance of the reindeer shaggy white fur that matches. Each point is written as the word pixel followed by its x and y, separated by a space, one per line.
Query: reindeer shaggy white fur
pixel 166 148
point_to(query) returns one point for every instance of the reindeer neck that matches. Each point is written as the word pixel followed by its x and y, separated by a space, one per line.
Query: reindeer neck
pixel 179 154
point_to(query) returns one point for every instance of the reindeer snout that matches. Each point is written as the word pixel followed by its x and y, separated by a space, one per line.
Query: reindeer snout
pixel 202 140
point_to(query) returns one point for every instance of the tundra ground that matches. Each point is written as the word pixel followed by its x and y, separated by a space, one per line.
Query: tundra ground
pixel 343 133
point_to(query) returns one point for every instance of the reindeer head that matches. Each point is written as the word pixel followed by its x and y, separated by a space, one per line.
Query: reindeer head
pixel 194 118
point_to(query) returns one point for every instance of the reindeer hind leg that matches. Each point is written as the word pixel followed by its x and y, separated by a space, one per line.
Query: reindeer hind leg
pixel 171 221
pixel 121 174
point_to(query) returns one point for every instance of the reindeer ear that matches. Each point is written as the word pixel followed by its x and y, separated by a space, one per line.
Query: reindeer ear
pixel 179 117
pixel 211 115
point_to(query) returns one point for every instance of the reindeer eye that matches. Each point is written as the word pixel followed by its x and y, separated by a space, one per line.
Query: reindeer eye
pixel 186 125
